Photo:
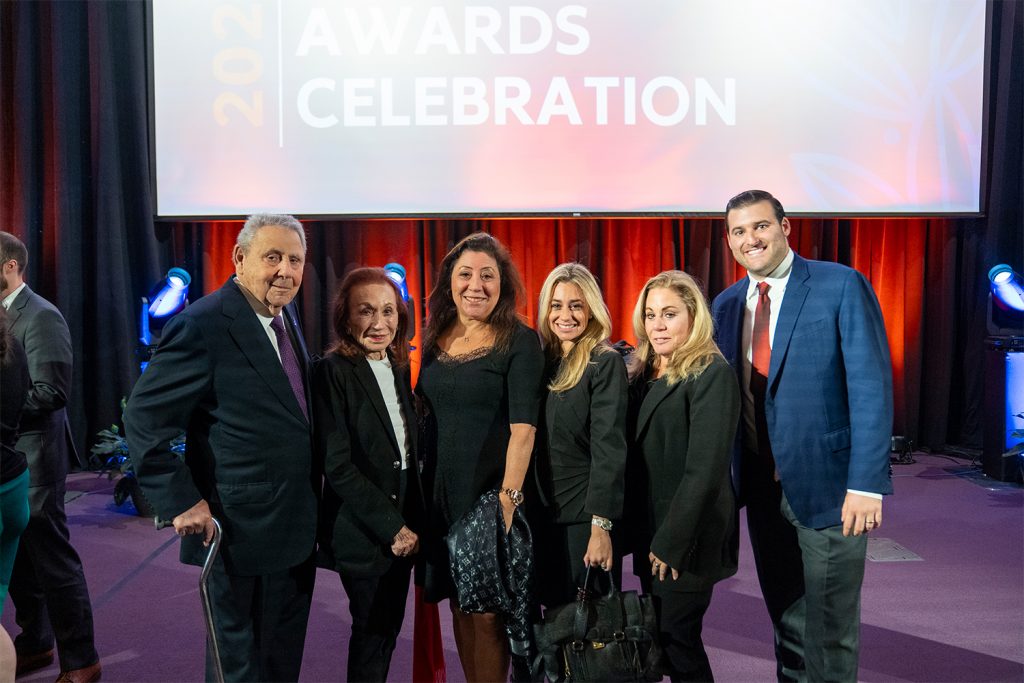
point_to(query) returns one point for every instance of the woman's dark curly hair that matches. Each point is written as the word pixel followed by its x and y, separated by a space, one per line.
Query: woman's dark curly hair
pixel 346 345
pixel 441 306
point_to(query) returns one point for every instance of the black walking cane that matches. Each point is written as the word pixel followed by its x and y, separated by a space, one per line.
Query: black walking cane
pixel 204 593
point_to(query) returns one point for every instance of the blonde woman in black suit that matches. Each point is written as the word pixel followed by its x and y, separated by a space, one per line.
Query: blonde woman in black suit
pixel 687 413
pixel 365 433
pixel 582 463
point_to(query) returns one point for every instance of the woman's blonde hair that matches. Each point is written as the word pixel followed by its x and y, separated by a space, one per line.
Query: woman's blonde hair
pixel 595 335
pixel 699 349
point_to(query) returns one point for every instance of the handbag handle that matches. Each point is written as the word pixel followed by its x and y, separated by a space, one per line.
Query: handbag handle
pixel 583 592
pixel 583 608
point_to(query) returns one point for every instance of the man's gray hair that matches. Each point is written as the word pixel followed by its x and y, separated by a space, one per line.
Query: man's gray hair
pixel 263 220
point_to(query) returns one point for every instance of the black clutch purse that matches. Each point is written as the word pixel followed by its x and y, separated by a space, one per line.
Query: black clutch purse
pixel 612 637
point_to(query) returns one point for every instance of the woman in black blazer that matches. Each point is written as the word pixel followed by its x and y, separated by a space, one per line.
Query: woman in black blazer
pixel 687 408
pixel 365 429
pixel 583 458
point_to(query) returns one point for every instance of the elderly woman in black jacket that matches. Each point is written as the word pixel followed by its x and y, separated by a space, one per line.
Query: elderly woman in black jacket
pixel 365 432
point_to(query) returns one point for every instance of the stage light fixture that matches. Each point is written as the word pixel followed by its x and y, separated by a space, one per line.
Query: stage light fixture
pixel 902 449
pixel 1007 286
pixel 171 294
pixel 396 272
pixel 167 298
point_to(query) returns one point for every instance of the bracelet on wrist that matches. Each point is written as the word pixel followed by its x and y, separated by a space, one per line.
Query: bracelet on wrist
pixel 601 522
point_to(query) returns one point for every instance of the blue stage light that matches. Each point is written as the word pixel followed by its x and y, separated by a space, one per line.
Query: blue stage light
pixel 171 296
pixel 396 271
pixel 1007 286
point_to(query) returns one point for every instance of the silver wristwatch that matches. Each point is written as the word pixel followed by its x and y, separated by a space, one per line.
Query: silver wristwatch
pixel 515 495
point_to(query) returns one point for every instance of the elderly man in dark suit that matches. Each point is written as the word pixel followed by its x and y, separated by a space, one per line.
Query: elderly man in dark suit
pixel 808 344
pixel 231 372
pixel 48 586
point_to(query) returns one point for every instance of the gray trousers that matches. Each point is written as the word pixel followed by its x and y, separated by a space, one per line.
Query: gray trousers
pixel 811 581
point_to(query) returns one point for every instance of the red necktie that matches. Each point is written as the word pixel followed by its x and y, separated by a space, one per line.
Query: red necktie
pixel 761 359
pixel 759 340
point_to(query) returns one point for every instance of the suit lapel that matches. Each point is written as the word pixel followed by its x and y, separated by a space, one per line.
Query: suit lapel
pixel 409 409
pixel 792 304
pixel 19 303
pixel 301 351
pixel 733 310
pixel 659 391
pixel 366 378
pixel 254 343
pixel 291 319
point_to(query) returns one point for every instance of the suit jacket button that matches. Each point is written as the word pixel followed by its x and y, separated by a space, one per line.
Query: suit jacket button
pixel 397 464
pixel 394 497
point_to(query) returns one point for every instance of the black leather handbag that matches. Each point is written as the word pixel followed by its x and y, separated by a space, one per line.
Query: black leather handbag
pixel 612 637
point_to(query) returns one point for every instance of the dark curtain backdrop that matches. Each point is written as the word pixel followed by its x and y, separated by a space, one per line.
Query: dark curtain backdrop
pixel 75 187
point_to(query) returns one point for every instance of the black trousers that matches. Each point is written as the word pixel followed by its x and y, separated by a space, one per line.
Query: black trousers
pixel 260 622
pixel 680 622
pixel 377 606
pixel 48 588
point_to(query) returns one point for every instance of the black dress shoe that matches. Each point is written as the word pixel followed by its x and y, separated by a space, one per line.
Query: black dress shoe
pixel 37 660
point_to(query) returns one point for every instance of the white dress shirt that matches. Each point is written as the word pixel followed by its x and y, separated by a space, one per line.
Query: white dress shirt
pixel 386 382
pixel 9 299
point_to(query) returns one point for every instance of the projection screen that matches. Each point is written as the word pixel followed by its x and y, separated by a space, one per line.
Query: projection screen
pixel 598 107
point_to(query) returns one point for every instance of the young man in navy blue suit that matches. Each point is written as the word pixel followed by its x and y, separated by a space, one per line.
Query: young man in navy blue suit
pixel 808 344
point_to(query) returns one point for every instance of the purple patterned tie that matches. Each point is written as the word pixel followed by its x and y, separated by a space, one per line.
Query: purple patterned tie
pixel 289 362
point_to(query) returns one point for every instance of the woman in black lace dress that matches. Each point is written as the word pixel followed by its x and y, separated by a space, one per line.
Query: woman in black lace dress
pixel 480 387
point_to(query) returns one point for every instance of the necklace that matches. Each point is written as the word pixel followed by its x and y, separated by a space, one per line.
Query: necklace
pixel 466 337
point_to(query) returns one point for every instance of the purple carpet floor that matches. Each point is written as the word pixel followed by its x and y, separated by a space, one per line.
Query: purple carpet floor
pixel 943 598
